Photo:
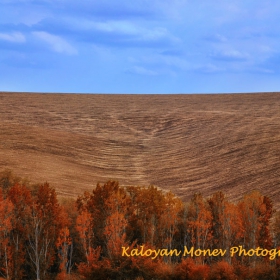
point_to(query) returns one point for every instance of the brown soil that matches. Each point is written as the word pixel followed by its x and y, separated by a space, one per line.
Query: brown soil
pixel 183 143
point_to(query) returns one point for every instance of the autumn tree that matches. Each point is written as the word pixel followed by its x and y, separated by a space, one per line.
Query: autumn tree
pixel 227 227
pixel 256 211
pixel 222 270
pixel 43 230
pixel 169 221
pixel 217 207
pixel 21 198
pixel 265 216
pixel 84 227
pixel 75 251
pixel 199 223
pixel 148 208
pixel 6 209
pixel 63 245
pixel 116 223
pixel 188 269
pixel 96 205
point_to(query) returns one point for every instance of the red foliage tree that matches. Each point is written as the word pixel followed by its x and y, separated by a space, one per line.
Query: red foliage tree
pixel 21 198
pixel 188 269
pixel 222 271
pixel 6 210
pixel 45 225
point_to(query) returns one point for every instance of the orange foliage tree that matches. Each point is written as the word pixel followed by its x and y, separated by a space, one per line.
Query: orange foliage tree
pixel 199 223
pixel 64 243
pixel 256 212
pixel 84 226
pixel 21 198
pixel 227 227
pixel 188 269
pixel 222 270
pixel 43 230
pixel 115 224
pixel 6 208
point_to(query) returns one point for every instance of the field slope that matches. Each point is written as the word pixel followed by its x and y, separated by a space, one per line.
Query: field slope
pixel 183 143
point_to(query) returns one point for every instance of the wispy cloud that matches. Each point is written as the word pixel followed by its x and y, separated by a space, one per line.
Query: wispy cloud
pixel 216 38
pixel 112 33
pixel 230 55
pixel 141 71
pixel 15 37
pixel 208 69
pixel 56 43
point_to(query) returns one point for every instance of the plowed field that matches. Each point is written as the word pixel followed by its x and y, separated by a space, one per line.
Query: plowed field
pixel 183 143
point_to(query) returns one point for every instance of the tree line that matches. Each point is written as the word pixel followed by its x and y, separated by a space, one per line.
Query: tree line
pixel 42 237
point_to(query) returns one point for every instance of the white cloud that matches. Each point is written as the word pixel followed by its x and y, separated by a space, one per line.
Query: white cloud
pixel 263 70
pixel 141 71
pixel 216 38
pixel 124 27
pixel 126 33
pixel 115 26
pixel 208 68
pixel 31 17
pixel 230 54
pixel 166 61
pixel 15 37
pixel 56 43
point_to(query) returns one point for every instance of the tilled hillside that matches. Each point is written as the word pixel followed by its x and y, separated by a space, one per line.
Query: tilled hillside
pixel 183 143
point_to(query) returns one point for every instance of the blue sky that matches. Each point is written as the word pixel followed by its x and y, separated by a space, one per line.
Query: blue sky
pixel 140 46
